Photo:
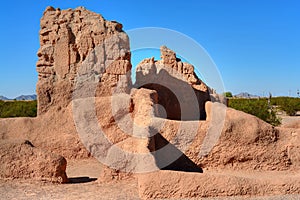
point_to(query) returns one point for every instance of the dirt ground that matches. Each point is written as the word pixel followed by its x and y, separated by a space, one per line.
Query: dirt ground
pixel 83 175
pixel 289 119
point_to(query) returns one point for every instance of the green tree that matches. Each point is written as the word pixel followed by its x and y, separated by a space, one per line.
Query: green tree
pixel 228 94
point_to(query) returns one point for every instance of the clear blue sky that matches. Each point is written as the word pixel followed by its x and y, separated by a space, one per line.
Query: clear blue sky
pixel 254 43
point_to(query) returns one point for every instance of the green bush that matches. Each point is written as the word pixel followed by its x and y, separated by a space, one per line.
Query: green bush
pixel 18 109
pixel 256 107
pixel 228 94
pixel 288 104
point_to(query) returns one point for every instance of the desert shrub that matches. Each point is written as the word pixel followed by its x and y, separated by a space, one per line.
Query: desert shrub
pixel 288 104
pixel 18 109
pixel 256 107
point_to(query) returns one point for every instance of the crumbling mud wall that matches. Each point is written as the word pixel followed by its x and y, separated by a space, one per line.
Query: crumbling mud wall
pixel 67 37
pixel 181 93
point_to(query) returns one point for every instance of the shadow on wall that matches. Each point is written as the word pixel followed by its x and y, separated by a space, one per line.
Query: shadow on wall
pixel 165 153
pixel 178 99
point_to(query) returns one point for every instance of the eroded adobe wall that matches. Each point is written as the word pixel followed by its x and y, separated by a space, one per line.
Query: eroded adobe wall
pixel 79 42
pixel 180 92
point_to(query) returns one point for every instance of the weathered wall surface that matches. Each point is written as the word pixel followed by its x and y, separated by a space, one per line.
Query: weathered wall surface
pixel 67 39
pixel 180 91
pixel 20 159
pixel 181 185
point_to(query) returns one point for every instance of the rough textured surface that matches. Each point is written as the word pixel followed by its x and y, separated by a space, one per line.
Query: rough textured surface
pixel 54 132
pixel 85 171
pixel 180 92
pixel 83 185
pixel 172 184
pixel 129 131
pixel 81 55
pixel 67 38
pixel 20 159
pixel 245 143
